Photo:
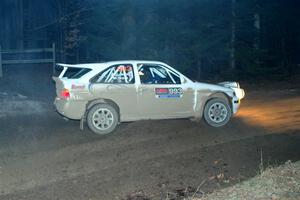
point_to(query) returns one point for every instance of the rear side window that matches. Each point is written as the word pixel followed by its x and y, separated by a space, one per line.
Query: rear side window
pixel 57 70
pixel 116 74
pixel 75 72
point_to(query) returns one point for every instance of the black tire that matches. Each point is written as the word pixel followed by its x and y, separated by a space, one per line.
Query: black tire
pixel 217 112
pixel 102 119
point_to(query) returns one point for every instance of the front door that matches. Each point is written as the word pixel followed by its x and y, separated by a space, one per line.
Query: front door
pixel 161 93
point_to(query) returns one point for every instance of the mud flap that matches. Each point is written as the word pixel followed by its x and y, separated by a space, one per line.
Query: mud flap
pixel 82 120
pixel 81 124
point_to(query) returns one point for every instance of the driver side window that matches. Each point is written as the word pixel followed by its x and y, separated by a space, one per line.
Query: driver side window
pixel 156 74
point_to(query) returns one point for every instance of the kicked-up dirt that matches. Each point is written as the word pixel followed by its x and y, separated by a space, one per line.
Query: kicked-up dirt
pixel 43 156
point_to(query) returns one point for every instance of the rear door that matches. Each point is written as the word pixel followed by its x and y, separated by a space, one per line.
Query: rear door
pixel 117 83
pixel 161 94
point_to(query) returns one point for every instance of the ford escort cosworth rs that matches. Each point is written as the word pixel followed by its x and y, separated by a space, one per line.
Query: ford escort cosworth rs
pixel 105 94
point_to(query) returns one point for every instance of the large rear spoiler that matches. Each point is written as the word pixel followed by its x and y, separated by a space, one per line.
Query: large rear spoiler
pixel 70 71
pixel 60 69
pixel 68 65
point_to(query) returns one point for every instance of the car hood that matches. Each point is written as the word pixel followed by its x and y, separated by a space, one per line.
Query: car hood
pixel 212 87
pixel 230 88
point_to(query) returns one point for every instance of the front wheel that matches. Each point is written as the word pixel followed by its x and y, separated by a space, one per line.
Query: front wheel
pixel 102 119
pixel 217 112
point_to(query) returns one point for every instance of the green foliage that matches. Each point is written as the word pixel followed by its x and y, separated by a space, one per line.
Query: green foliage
pixel 195 36
pixel 271 51
pixel 178 32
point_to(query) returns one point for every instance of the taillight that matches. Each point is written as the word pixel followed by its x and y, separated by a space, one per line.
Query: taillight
pixel 65 93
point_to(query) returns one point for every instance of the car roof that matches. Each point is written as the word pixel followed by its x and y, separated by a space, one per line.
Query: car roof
pixel 105 64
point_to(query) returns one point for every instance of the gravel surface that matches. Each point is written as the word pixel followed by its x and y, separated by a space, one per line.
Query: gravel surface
pixel 43 156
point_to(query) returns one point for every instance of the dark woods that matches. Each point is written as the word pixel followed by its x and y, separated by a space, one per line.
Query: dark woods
pixel 205 39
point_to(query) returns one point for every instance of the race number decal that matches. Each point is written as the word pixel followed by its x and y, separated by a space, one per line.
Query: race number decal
pixel 168 92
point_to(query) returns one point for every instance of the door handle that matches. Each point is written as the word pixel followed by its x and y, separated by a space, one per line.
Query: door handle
pixel 140 90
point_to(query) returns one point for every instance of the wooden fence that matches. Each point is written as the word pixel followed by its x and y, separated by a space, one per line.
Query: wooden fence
pixel 49 59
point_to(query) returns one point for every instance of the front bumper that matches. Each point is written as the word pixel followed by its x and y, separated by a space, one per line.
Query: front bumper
pixel 72 109
pixel 235 104
pixel 236 100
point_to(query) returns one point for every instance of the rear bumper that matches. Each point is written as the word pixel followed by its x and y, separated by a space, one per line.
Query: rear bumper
pixel 72 109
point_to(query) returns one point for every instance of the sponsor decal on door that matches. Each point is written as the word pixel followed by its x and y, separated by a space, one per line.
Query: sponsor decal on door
pixel 166 93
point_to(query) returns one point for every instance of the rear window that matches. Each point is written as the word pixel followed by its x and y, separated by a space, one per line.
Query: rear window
pixel 75 72
pixel 57 70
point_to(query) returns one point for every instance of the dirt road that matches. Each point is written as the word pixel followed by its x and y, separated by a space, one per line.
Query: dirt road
pixel 42 156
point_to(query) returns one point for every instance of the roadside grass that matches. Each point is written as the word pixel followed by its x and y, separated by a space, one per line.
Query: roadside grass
pixel 282 182
pixel 274 183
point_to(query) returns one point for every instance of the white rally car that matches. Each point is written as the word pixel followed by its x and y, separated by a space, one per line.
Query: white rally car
pixel 105 94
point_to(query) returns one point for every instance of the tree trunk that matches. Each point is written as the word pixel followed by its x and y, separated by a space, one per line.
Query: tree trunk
pixel 256 41
pixel 61 30
pixel 21 7
pixel 199 69
pixel 233 36
pixel 257 27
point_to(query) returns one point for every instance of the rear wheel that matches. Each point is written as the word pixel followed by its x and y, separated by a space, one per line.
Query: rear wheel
pixel 217 112
pixel 102 119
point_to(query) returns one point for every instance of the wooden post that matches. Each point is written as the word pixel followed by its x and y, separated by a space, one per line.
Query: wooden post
pixel 1 72
pixel 53 56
